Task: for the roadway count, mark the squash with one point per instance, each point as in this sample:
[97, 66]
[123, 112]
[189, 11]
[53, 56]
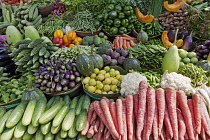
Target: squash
[143, 18]
[142, 36]
[205, 65]
[131, 63]
[167, 43]
[173, 7]
[32, 92]
[84, 64]
[97, 60]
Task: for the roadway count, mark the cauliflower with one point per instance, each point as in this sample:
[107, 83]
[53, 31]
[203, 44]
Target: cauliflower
[177, 81]
[130, 83]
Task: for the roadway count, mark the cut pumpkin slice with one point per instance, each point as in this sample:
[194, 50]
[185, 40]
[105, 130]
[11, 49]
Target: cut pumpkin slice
[173, 7]
[143, 18]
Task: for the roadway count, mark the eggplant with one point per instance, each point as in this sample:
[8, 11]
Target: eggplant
[72, 77]
[53, 85]
[205, 56]
[204, 51]
[62, 75]
[62, 71]
[9, 67]
[76, 73]
[2, 50]
[49, 84]
[71, 72]
[47, 90]
[199, 47]
[57, 66]
[58, 87]
[171, 35]
[49, 68]
[74, 68]
[207, 42]
[44, 72]
[68, 66]
[37, 85]
[198, 54]
[56, 78]
[43, 88]
[41, 68]
[78, 79]
[4, 63]
[184, 34]
[52, 90]
[70, 61]
[67, 75]
[47, 76]
[45, 82]
[52, 73]
[188, 44]
[49, 63]
[57, 71]
[204, 47]
[63, 67]
[39, 81]
[72, 84]
[64, 82]
[41, 76]
[65, 88]
[45, 65]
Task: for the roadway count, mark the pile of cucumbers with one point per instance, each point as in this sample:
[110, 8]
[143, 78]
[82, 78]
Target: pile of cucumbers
[59, 118]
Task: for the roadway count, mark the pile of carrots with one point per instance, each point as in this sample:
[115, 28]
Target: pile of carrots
[13, 2]
[161, 114]
[124, 41]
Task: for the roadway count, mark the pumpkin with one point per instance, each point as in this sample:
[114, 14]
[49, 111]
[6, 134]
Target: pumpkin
[205, 65]
[167, 43]
[143, 18]
[84, 64]
[97, 60]
[131, 63]
[173, 7]
[32, 92]
[142, 36]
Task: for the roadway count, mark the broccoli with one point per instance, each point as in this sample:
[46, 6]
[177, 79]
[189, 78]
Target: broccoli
[103, 47]
[87, 40]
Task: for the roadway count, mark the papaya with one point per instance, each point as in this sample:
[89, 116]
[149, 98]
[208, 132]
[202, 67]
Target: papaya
[31, 32]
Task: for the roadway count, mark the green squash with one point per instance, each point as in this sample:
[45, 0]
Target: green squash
[97, 60]
[32, 92]
[205, 65]
[142, 36]
[131, 63]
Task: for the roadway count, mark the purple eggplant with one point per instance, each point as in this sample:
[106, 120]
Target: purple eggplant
[52, 73]
[207, 42]
[71, 72]
[64, 82]
[57, 71]
[43, 88]
[109, 52]
[45, 65]
[183, 34]
[63, 67]
[76, 73]
[47, 90]
[188, 44]
[65, 88]
[56, 78]
[41, 69]
[58, 65]
[49, 84]
[72, 77]
[47, 76]
[39, 81]
[205, 56]
[199, 47]
[41, 76]
[78, 79]
[53, 85]
[68, 66]
[62, 75]
[58, 87]
[44, 72]
[204, 47]
[171, 35]
[37, 74]
[67, 75]
[49, 68]
[4, 57]
[70, 61]
[204, 51]
[45, 82]
[72, 84]
[49, 63]
[74, 68]
[37, 85]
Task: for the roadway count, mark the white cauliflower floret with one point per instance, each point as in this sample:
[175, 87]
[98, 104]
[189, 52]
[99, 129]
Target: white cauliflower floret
[130, 83]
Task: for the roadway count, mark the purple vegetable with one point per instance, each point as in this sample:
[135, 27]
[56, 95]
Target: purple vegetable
[184, 34]
[205, 56]
[45, 82]
[56, 78]
[53, 85]
[37, 85]
[188, 44]
[49, 63]
[49, 84]
[74, 68]
[107, 59]
[70, 61]
[48, 68]
[109, 52]
[58, 87]
[72, 84]
[52, 73]
[119, 50]
[125, 53]
[58, 65]
[207, 42]
[65, 88]
[57, 71]
[121, 60]
[47, 76]
[204, 51]
[171, 35]
[71, 72]
[62, 75]
[67, 75]
[78, 79]
[39, 81]
[113, 62]
[42, 69]
[68, 66]
[72, 78]
[204, 47]
[64, 82]
[47, 90]
[44, 72]
[115, 55]
[76, 73]
[41, 76]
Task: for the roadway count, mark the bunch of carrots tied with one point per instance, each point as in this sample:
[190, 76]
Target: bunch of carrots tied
[161, 114]
[124, 41]
[13, 2]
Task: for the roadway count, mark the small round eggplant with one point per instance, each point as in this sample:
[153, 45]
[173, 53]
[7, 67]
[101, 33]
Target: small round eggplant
[72, 84]
[56, 78]
[68, 66]
[44, 72]
[47, 76]
[64, 82]
[74, 68]
[171, 35]
[49, 84]
[65, 88]
[207, 42]
[76, 73]
[58, 87]
[37, 85]
[188, 44]
[72, 77]
[204, 51]
[70, 61]
[78, 79]
[67, 75]
[47, 90]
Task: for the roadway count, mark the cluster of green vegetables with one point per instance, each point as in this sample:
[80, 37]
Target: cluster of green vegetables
[153, 78]
[83, 22]
[51, 25]
[154, 42]
[150, 56]
[95, 40]
[12, 89]
[72, 53]
[42, 3]
[72, 5]
[197, 74]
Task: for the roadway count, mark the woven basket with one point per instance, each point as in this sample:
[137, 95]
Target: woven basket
[46, 10]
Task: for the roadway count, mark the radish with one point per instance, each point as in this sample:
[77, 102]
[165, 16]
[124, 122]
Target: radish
[100, 130]
[155, 125]
[125, 136]
[119, 108]
[168, 123]
[196, 100]
[129, 115]
[181, 124]
[114, 114]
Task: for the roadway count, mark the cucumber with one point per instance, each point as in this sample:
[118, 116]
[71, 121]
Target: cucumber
[60, 115]
[31, 129]
[49, 114]
[16, 115]
[74, 102]
[49, 103]
[39, 110]
[27, 136]
[81, 120]
[27, 116]
[72, 133]
[19, 130]
[81, 137]
[56, 100]
[2, 111]
[67, 99]
[7, 134]
[58, 137]
[49, 136]
[16, 138]
[63, 134]
[86, 103]
[3, 120]
[79, 104]
[68, 120]
[39, 135]
[55, 130]
[45, 128]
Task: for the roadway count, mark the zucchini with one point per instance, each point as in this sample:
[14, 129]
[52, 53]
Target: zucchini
[81, 137]
[67, 99]
[39, 110]
[49, 103]
[31, 129]
[49, 136]
[55, 130]
[2, 111]
[58, 137]
[60, 115]
[49, 114]
[20, 129]
[16, 115]
[79, 104]
[74, 102]
[27, 136]
[7, 134]
[68, 120]
[39, 135]
[45, 128]
[72, 133]
[63, 134]
[27, 116]
[86, 102]
[81, 120]
[4, 119]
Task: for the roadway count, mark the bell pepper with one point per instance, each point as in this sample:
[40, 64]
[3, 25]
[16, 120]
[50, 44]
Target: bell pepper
[125, 22]
[58, 33]
[66, 40]
[71, 45]
[128, 10]
[109, 22]
[78, 40]
[118, 8]
[110, 7]
[106, 16]
[130, 27]
[57, 40]
[121, 15]
[113, 30]
[72, 35]
[106, 28]
[131, 18]
[97, 23]
[122, 30]
[100, 17]
[112, 1]
[125, 2]
[112, 14]
[117, 22]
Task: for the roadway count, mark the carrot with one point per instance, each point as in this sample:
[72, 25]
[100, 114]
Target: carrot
[167, 122]
[160, 97]
[129, 115]
[113, 112]
[124, 45]
[181, 124]
[90, 132]
[132, 43]
[142, 108]
[128, 38]
[204, 118]
[124, 137]
[155, 124]
[99, 111]
[113, 46]
[182, 100]
[196, 100]
[96, 125]
[163, 132]
[145, 126]
[100, 130]
[135, 105]
[120, 42]
[203, 136]
[128, 44]
[119, 108]
[125, 35]
[109, 119]
[117, 41]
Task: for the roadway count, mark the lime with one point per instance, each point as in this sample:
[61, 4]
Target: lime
[100, 77]
[99, 86]
[102, 72]
[107, 88]
[108, 81]
[186, 60]
[93, 75]
[91, 89]
[96, 70]
[194, 60]
[107, 68]
[92, 82]
[86, 80]
[191, 54]
[181, 50]
[98, 91]
[181, 64]
[183, 54]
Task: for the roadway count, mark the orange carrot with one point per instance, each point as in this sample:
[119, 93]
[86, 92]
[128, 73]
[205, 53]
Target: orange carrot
[181, 124]
[196, 100]
[128, 38]
[125, 35]
[129, 115]
[182, 100]
[119, 108]
[113, 112]
[120, 42]
[132, 43]
[117, 41]
[171, 104]
[128, 44]
[124, 45]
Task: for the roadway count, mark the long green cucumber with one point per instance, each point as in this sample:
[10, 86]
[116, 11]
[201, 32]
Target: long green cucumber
[27, 136]
[31, 129]
[7, 134]
[56, 100]
[49, 103]
[72, 133]
[81, 137]
[68, 120]
[86, 103]
[60, 115]
[49, 136]
[63, 134]
[3, 120]
[39, 110]
[39, 135]
[16, 115]
[55, 130]
[79, 104]
[81, 120]
[27, 116]
[67, 99]
[74, 102]
[2, 111]
[19, 130]
[45, 128]
[58, 137]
